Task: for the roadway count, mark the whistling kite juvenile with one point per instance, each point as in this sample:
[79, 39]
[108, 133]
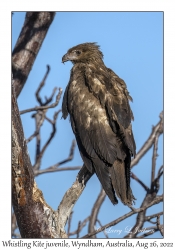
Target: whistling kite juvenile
[98, 103]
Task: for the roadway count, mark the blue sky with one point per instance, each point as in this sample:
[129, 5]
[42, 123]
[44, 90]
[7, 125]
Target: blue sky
[132, 44]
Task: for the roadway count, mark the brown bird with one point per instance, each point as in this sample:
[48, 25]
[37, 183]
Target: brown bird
[98, 103]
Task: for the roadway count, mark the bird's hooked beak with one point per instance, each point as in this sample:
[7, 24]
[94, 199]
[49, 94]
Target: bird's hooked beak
[65, 58]
[70, 56]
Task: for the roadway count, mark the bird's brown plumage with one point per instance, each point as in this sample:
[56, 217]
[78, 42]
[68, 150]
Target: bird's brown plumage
[98, 103]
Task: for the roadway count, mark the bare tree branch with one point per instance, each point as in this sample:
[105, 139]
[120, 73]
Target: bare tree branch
[149, 217]
[133, 176]
[151, 193]
[149, 142]
[151, 230]
[154, 157]
[80, 227]
[53, 105]
[55, 168]
[157, 200]
[45, 171]
[160, 227]
[71, 154]
[27, 47]
[48, 100]
[101, 226]
[95, 211]
[32, 136]
[66, 205]
[40, 154]
[149, 197]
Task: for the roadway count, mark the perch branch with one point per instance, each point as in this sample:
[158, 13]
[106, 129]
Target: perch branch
[66, 205]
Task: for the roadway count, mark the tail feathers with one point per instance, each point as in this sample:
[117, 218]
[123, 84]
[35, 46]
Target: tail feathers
[103, 175]
[119, 177]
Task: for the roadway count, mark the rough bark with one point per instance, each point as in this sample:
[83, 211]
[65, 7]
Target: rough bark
[34, 216]
[27, 47]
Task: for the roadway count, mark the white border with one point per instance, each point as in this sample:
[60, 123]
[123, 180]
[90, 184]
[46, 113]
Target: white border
[169, 90]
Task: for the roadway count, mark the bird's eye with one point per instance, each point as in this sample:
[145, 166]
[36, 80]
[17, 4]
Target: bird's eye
[77, 52]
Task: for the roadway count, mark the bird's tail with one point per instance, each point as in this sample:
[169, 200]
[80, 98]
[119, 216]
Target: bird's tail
[120, 176]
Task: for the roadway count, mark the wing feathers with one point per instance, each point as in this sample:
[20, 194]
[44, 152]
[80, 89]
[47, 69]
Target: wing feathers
[104, 143]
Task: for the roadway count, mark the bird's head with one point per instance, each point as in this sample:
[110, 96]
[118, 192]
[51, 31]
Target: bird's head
[84, 53]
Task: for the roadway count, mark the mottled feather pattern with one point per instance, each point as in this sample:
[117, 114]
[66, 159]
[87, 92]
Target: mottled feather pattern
[98, 103]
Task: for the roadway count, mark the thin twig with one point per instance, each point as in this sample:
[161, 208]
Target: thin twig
[45, 171]
[133, 176]
[83, 224]
[41, 86]
[40, 155]
[149, 217]
[39, 119]
[95, 211]
[160, 169]
[156, 184]
[71, 154]
[55, 167]
[160, 227]
[149, 142]
[53, 105]
[101, 226]
[32, 136]
[154, 157]
[78, 229]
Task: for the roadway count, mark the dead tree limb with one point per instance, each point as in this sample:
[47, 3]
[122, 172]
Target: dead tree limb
[27, 47]
[149, 142]
[35, 218]
[66, 205]
[95, 211]
[80, 227]
[115, 222]
[53, 105]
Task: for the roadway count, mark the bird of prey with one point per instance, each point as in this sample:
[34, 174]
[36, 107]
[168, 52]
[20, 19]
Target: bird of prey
[97, 101]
